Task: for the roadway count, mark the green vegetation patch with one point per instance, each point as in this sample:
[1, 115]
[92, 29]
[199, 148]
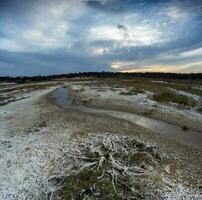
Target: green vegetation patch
[141, 158]
[127, 93]
[200, 109]
[141, 85]
[112, 168]
[80, 184]
[87, 183]
[170, 96]
[185, 128]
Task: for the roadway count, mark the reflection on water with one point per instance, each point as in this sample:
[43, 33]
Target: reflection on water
[176, 132]
[188, 137]
[61, 96]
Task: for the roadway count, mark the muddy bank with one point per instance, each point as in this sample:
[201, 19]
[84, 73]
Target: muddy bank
[35, 130]
[186, 159]
[93, 99]
[62, 98]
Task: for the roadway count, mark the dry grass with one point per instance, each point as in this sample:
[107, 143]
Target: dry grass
[170, 96]
[43, 124]
[79, 135]
[141, 85]
[162, 91]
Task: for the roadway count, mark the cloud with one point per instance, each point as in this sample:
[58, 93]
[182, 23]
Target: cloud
[182, 11]
[176, 13]
[180, 68]
[136, 35]
[37, 39]
[194, 67]
[106, 5]
[192, 53]
[51, 36]
[153, 68]
[47, 30]
[168, 61]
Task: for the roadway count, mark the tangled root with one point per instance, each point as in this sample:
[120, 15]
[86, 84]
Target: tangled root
[107, 166]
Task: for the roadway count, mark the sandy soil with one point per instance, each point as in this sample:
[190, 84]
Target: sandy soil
[140, 103]
[33, 130]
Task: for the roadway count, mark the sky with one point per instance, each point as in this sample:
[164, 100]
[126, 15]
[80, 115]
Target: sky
[44, 37]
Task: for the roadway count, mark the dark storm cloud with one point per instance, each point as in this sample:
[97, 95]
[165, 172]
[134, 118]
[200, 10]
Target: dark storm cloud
[120, 26]
[54, 63]
[51, 37]
[105, 6]
[120, 5]
[15, 8]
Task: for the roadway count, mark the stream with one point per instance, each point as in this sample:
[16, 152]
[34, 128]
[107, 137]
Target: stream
[194, 138]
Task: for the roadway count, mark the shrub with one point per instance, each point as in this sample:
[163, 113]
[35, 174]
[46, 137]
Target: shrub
[170, 96]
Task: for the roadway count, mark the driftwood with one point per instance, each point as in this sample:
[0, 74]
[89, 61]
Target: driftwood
[98, 166]
[106, 166]
[113, 159]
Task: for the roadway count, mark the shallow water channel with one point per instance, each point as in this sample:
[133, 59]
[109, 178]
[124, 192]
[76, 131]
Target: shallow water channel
[61, 97]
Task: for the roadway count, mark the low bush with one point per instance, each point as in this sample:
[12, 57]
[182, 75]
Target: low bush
[170, 96]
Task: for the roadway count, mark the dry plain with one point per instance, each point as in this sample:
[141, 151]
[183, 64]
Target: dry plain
[101, 139]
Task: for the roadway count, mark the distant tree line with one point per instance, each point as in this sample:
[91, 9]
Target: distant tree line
[26, 79]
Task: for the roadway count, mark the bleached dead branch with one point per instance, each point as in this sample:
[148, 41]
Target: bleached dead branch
[117, 165]
[121, 161]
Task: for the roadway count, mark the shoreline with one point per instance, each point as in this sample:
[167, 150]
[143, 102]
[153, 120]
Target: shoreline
[122, 105]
